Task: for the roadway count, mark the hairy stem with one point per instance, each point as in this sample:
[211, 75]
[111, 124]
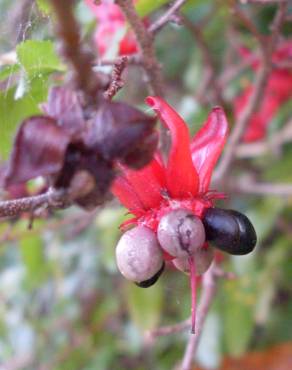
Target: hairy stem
[50, 199]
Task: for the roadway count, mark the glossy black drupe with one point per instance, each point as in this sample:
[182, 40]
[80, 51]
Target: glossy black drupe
[229, 230]
[151, 281]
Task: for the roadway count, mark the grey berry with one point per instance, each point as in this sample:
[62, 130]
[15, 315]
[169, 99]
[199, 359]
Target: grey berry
[138, 254]
[181, 233]
[203, 258]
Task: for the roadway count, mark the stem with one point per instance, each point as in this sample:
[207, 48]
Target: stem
[166, 17]
[50, 199]
[209, 288]
[249, 186]
[145, 41]
[193, 282]
[80, 61]
[116, 78]
[149, 60]
[169, 329]
[208, 60]
[254, 100]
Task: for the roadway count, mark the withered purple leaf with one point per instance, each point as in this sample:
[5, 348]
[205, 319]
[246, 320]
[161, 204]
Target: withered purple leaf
[72, 139]
[39, 149]
[141, 152]
[118, 128]
[100, 175]
[64, 105]
[103, 175]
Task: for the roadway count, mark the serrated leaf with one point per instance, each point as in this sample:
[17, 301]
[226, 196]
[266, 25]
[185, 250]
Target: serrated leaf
[38, 57]
[145, 305]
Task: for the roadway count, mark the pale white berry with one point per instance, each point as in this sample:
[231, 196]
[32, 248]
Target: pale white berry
[138, 254]
[181, 233]
[203, 258]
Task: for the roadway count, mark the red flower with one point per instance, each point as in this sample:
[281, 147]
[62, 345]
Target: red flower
[183, 182]
[277, 92]
[112, 29]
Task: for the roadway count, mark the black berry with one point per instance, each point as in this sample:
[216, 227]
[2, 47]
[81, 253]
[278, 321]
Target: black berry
[148, 283]
[230, 231]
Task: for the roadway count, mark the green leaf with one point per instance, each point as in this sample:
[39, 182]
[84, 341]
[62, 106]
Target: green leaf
[145, 7]
[279, 169]
[38, 57]
[13, 111]
[265, 214]
[44, 6]
[31, 248]
[8, 70]
[145, 305]
[238, 300]
[271, 277]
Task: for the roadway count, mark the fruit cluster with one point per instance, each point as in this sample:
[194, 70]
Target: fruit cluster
[174, 213]
[182, 235]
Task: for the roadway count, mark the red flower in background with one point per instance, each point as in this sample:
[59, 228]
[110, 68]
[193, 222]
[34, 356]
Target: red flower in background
[179, 188]
[112, 29]
[277, 92]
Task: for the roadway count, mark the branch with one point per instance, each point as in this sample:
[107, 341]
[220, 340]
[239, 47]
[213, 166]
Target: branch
[168, 330]
[209, 288]
[51, 199]
[273, 145]
[166, 17]
[209, 63]
[239, 14]
[116, 78]
[217, 272]
[262, 2]
[150, 63]
[134, 59]
[80, 61]
[19, 18]
[145, 42]
[246, 185]
[254, 100]
[234, 70]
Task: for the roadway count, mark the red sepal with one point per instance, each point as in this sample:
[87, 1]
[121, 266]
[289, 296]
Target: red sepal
[181, 176]
[146, 185]
[208, 144]
[127, 195]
